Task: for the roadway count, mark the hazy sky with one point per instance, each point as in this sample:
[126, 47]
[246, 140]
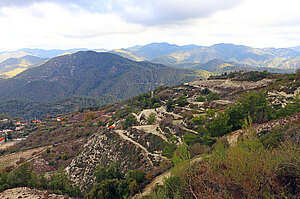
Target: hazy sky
[122, 23]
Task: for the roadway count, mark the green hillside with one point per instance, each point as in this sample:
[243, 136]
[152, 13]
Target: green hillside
[89, 74]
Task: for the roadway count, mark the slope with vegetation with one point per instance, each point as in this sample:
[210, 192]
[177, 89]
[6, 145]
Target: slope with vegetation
[13, 66]
[232, 136]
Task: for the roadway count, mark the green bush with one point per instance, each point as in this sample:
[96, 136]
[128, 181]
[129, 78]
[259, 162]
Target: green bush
[212, 96]
[130, 121]
[191, 139]
[219, 125]
[151, 119]
[200, 99]
[64, 156]
[170, 105]
[182, 100]
[111, 182]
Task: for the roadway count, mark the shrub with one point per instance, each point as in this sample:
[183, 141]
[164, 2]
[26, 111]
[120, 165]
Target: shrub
[200, 99]
[191, 139]
[130, 121]
[170, 105]
[151, 118]
[219, 125]
[246, 170]
[182, 100]
[64, 156]
[212, 96]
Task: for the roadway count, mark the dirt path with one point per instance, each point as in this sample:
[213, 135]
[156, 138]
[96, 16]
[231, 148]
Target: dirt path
[122, 135]
[179, 123]
[157, 181]
[152, 129]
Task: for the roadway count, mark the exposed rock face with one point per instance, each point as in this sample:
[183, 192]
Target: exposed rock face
[104, 148]
[230, 86]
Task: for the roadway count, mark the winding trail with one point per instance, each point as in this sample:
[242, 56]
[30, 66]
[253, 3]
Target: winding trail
[152, 129]
[122, 135]
[157, 181]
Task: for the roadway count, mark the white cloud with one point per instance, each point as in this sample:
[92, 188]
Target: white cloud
[123, 23]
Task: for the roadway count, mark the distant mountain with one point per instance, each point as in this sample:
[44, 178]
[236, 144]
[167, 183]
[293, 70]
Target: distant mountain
[173, 55]
[285, 53]
[36, 52]
[90, 74]
[218, 66]
[228, 52]
[152, 51]
[14, 66]
[296, 48]
[292, 63]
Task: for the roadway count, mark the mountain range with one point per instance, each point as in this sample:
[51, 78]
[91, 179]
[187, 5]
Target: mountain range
[172, 55]
[185, 56]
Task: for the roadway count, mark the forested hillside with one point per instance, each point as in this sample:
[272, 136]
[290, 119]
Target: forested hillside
[86, 74]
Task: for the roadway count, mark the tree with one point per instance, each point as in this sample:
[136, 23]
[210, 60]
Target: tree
[236, 116]
[23, 176]
[181, 154]
[136, 175]
[169, 105]
[112, 172]
[182, 100]
[256, 105]
[219, 125]
[130, 121]
[107, 189]
[151, 118]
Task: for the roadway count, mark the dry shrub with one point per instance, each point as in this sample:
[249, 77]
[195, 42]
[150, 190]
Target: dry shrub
[198, 149]
[247, 170]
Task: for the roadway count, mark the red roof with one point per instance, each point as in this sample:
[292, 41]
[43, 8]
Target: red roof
[2, 139]
[111, 127]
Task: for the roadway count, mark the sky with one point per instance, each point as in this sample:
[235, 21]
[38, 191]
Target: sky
[112, 24]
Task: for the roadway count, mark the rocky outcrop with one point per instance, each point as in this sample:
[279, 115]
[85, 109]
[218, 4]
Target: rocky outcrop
[102, 149]
[230, 86]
